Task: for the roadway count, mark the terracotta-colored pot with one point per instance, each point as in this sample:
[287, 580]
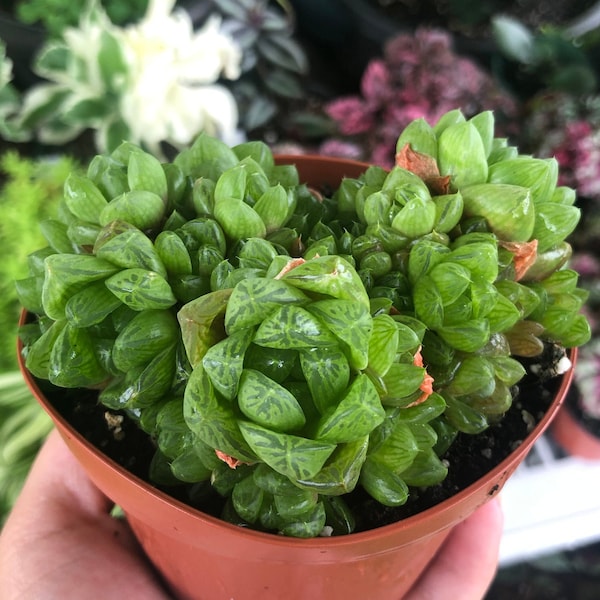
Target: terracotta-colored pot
[204, 558]
[573, 437]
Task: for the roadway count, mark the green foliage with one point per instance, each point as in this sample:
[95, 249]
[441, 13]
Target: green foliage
[31, 190]
[274, 62]
[56, 15]
[313, 344]
[23, 427]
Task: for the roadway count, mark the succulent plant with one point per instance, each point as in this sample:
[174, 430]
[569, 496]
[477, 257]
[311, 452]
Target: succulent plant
[283, 345]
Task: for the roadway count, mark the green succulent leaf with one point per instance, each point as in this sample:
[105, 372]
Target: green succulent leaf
[153, 381]
[253, 300]
[212, 419]
[327, 374]
[56, 234]
[293, 456]
[83, 198]
[201, 323]
[172, 253]
[475, 374]
[383, 344]
[267, 403]
[141, 289]
[329, 275]
[429, 304]
[66, 274]
[308, 524]
[424, 255]
[467, 337]
[508, 209]
[130, 249]
[416, 218]
[340, 473]
[275, 207]
[386, 486]
[293, 327]
[140, 208]
[464, 417]
[207, 157]
[448, 211]
[479, 258]
[504, 315]
[451, 279]
[421, 137]
[247, 499]
[427, 470]
[91, 305]
[462, 155]
[224, 362]
[350, 323]
[73, 361]
[400, 383]
[145, 173]
[145, 335]
[357, 414]
[37, 359]
[553, 223]
[539, 175]
[186, 467]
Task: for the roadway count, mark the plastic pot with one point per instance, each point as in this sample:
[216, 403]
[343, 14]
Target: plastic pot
[204, 558]
[571, 435]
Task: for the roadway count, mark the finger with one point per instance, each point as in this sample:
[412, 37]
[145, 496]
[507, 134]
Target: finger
[58, 478]
[466, 563]
[60, 541]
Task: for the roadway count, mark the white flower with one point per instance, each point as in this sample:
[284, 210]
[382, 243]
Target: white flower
[171, 94]
[5, 68]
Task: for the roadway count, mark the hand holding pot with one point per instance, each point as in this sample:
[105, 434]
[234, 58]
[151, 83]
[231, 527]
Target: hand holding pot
[61, 542]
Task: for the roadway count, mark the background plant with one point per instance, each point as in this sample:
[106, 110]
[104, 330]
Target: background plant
[274, 63]
[282, 347]
[102, 77]
[31, 189]
[56, 15]
[419, 75]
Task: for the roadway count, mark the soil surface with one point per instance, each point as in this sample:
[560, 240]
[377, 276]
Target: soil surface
[121, 440]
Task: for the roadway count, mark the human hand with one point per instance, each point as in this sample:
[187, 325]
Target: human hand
[60, 542]
[466, 564]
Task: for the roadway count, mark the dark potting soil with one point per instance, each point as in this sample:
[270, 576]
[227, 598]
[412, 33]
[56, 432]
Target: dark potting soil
[469, 457]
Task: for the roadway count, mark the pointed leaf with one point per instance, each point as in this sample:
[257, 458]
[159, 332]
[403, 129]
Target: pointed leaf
[252, 300]
[141, 289]
[83, 198]
[212, 419]
[224, 362]
[340, 473]
[73, 361]
[201, 323]
[144, 336]
[293, 327]
[330, 275]
[357, 414]
[131, 249]
[292, 456]
[351, 323]
[327, 374]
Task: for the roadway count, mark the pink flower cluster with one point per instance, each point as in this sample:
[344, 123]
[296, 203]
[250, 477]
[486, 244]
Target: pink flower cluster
[578, 153]
[418, 76]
